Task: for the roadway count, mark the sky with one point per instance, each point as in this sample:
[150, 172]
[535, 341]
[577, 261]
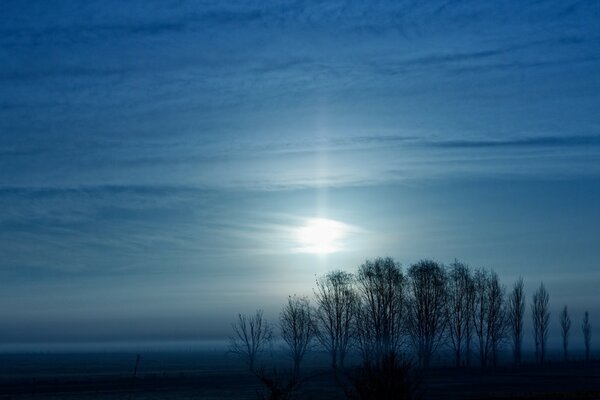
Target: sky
[165, 165]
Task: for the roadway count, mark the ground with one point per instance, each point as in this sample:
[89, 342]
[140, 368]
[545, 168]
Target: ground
[183, 376]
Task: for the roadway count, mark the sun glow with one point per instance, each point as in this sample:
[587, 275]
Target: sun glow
[321, 236]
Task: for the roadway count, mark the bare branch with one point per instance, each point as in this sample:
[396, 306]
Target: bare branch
[459, 286]
[336, 306]
[380, 321]
[516, 313]
[586, 328]
[251, 335]
[427, 307]
[565, 328]
[489, 316]
[541, 322]
[297, 329]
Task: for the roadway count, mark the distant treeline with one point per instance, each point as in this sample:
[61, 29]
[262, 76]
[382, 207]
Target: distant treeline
[385, 313]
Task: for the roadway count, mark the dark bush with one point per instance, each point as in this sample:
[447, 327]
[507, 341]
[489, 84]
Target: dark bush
[390, 378]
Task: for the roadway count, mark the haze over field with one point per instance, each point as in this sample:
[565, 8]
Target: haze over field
[166, 165]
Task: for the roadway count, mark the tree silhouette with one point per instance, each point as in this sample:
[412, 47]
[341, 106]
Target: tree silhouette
[586, 328]
[459, 284]
[297, 329]
[251, 334]
[427, 308]
[336, 308]
[565, 328]
[541, 321]
[516, 312]
[469, 295]
[379, 310]
[489, 316]
[380, 316]
[480, 315]
[497, 316]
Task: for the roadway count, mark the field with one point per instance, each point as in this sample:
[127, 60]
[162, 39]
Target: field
[214, 375]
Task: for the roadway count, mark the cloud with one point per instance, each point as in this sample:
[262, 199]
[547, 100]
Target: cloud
[248, 96]
[525, 142]
[157, 159]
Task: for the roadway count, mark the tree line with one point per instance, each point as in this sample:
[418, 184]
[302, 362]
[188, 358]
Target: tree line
[386, 313]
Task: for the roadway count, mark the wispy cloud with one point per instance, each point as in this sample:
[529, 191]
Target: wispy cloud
[524, 142]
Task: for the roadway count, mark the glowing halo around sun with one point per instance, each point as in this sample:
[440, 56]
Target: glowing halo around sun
[321, 236]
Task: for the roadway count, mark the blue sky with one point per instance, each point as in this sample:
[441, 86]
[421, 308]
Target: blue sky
[157, 158]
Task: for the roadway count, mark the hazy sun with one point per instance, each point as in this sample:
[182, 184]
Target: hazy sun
[321, 236]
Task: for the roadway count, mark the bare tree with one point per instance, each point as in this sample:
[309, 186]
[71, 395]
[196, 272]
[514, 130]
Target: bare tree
[336, 302]
[470, 328]
[427, 307]
[297, 329]
[490, 320]
[497, 316]
[480, 315]
[459, 284]
[565, 328]
[516, 312]
[380, 321]
[541, 321]
[587, 334]
[251, 334]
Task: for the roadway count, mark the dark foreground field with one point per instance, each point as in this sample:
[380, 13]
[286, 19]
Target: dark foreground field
[215, 376]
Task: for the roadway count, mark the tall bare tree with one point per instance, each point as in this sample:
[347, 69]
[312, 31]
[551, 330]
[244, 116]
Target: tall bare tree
[516, 313]
[252, 333]
[490, 320]
[427, 307]
[297, 329]
[565, 328]
[459, 284]
[380, 322]
[497, 316]
[336, 302]
[480, 315]
[541, 321]
[470, 328]
[586, 328]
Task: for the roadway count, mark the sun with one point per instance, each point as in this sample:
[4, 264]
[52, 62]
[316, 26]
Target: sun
[321, 236]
